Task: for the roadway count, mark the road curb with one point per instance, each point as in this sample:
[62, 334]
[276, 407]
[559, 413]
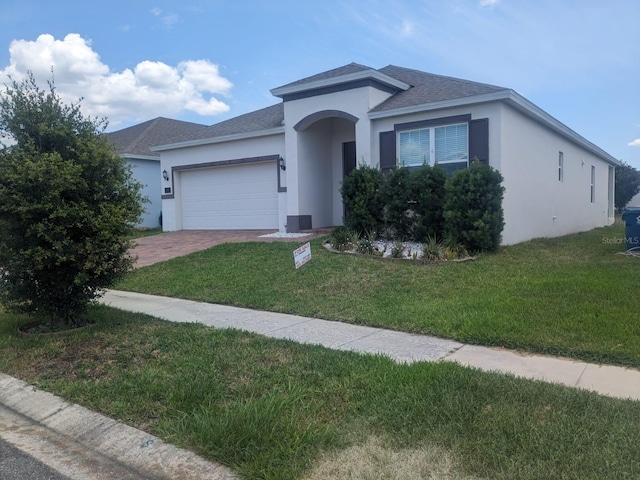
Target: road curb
[145, 454]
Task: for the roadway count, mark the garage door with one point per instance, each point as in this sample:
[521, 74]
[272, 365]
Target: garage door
[230, 198]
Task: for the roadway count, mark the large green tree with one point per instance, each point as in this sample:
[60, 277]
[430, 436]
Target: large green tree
[68, 203]
[627, 185]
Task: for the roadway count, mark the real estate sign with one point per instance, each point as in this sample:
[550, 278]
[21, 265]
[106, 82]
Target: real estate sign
[302, 255]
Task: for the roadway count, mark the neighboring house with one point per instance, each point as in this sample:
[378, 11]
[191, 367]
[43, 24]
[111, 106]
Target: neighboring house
[635, 201]
[133, 144]
[281, 167]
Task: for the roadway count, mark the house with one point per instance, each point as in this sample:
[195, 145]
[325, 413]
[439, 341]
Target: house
[133, 144]
[281, 167]
[635, 201]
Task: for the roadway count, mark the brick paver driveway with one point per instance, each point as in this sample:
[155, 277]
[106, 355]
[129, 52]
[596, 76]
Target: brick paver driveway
[158, 248]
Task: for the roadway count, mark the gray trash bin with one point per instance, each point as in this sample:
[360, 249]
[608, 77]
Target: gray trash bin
[631, 218]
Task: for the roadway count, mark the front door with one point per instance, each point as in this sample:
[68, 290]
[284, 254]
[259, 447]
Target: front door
[348, 162]
[348, 158]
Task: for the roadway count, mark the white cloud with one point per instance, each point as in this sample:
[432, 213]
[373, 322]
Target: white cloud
[149, 90]
[634, 143]
[488, 3]
[204, 74]
[168, 20]
[407, 29]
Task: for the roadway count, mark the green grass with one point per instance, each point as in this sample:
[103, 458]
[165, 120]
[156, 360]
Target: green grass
[571, 296]
[145, 232]
[274, 409]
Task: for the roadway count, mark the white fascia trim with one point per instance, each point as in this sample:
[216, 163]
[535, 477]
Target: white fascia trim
[425, 107]
[512, 98]
[133, 156]
[222, 139]
[351, 77]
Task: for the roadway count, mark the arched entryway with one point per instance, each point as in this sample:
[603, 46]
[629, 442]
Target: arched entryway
[326, 150]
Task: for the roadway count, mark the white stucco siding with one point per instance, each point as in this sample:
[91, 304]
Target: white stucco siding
[202, 157]
[536, 202]
[217, 152]
[147, 172]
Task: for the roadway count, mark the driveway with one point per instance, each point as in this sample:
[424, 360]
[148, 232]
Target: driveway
[158, 248]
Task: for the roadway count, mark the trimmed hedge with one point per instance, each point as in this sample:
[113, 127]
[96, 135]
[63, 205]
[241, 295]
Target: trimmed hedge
[398, 200]
[422, 203]
[428, 193]
[473, 208]
[362, 198]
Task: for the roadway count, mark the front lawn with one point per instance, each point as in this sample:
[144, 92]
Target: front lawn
[274, 409]
[571, 296]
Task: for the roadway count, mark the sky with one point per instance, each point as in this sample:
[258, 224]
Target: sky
[205, 61]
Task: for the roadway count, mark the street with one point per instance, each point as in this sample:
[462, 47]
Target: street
[16, 465]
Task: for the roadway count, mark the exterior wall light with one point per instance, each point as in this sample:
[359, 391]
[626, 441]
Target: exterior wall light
[282, 164]
[165, 175]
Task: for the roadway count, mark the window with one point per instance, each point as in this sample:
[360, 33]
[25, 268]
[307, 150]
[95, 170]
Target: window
[560, 166]
[593, 184]
[415, 147]
[447, 145]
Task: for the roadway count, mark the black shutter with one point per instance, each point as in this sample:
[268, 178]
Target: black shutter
[387, 151]
[479, 140]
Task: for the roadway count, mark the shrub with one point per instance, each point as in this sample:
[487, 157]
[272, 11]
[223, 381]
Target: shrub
[366, 246]
[67, 206]
[362, 198]
[427, 188]
[398, 204]
[341, 238]
[365, 243]
[473, 208]
[397, 250]
[454, 251]
[432, 249]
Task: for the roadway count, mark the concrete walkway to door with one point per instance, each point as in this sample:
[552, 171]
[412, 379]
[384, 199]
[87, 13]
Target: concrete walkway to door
[165, 246]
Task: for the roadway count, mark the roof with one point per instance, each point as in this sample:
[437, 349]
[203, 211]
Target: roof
[263, 119]
[137, 139]
[412, 87]
[411, 91]
[329, 74]
[267, 120]
[430, 88]
[349, 76]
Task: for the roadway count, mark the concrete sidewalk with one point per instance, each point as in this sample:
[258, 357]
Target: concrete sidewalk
[614, 381]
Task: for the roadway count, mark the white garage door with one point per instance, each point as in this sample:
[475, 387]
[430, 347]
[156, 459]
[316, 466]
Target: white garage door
[230, 198]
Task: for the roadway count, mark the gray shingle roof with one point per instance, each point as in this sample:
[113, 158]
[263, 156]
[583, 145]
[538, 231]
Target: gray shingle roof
[336, 72]
[429, 88]
[137, 139]
[425, 88]
[263, 119]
